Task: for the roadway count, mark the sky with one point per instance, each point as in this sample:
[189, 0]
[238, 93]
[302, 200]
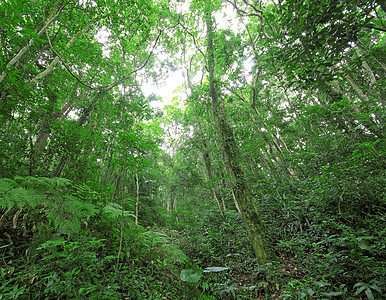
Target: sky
[165, 88]
[226, 18]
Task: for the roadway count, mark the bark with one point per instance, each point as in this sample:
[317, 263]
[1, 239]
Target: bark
[45, 131]
[366, 67]
[357, 89]
[215, 188]
[355, 109]
[117, 186]
[233, 160]
[107, 169]
[60, 167]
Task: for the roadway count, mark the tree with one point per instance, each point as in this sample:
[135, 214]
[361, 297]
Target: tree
[232, 156]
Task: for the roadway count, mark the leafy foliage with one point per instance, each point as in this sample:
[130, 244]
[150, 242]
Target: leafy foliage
[51, 196]
[104, 196]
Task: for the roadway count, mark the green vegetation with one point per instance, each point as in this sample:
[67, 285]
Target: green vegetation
[262, 177]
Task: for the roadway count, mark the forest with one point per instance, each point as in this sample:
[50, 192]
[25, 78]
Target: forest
[192, 149]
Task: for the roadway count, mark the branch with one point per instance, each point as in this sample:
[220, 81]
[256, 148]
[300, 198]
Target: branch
[67, 68]
[380, 19]
[241, 12]
[195, 44]
[254, 7]
[138, 69]
[31, 41]
[240, 96]
[376, 28]
[50, 68]
[368, 52]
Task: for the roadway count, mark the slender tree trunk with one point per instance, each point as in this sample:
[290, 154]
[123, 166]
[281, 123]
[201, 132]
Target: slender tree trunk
[233, 159]
[107, 169]
[209, 169]
[137, 202]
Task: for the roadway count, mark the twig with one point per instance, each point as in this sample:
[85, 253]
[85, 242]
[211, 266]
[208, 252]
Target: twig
[138, 69]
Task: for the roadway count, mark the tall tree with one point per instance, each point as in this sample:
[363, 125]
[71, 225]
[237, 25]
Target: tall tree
[232, 155]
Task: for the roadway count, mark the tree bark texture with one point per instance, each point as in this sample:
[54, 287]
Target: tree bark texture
[233, 159]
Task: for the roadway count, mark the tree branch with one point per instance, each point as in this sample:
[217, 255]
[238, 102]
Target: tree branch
[31, 41]
[109, 87]
[195, 44]
[67, 68]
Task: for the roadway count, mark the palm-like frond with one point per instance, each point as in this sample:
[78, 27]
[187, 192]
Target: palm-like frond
[12, 194]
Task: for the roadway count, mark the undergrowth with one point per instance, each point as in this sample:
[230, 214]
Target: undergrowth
[63, 241]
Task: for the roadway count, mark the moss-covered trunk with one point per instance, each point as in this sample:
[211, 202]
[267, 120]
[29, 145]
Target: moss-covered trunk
[233, 159]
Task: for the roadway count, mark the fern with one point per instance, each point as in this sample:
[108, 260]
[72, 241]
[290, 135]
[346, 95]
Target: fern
[114, 210]
[12, 194]
[67, 212]
[63, 210]
[174, 253]
[158, 240]
[83, 191]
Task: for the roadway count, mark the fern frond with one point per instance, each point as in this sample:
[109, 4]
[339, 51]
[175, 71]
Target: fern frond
[6, 185]
[114, 210]
[66, 213]
[64, 210]
[130, 202]
[11, 194]
[163, 242]
[173, 253]
[23, 197]
[85, 192]
[57, 182]
[78, 208]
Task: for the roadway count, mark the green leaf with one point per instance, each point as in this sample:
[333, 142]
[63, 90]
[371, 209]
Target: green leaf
[359, 290]
[215, 269]
[369, 294]
[363, 246]
[321, 283]
[189, 275]
[332, 294]
[377, 288]
[310, 291]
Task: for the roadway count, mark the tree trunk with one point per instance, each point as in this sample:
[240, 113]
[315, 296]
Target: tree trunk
[137, 202]
[209, 169]
[233, 160]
